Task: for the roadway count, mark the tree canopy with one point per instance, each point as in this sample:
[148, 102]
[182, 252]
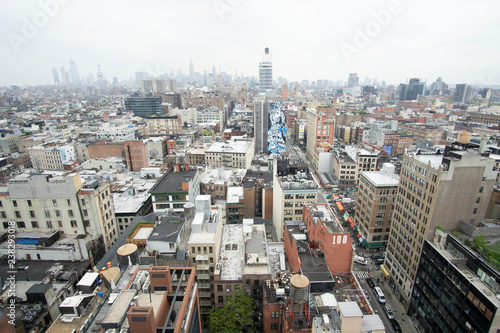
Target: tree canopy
[236, 315]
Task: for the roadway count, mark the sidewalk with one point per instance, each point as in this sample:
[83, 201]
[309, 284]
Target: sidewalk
[396, 307]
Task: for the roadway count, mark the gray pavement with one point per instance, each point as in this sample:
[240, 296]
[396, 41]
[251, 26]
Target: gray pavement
[396, 307]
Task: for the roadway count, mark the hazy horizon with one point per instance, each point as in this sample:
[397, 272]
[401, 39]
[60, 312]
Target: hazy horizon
[389, 40]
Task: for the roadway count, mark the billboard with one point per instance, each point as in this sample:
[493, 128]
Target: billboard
[387, 149]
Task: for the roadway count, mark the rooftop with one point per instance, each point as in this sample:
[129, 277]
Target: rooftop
[234, 195]
[232, 146]
[172, 181]
[232, 252]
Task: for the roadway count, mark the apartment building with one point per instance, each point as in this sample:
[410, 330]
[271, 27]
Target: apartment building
[204, 246]
[175, 188]
[423, 132]
[435, 189]
[162, 125]
[320, 128]
[235, 153]
[375, 204]
[59, 200]
[51, 155]
[290, 193]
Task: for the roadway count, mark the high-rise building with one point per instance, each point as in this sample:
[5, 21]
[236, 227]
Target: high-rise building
[139, 76]
[64, 76]
[435, 190]
[191, 71]
[376, 197]
[320, 128]
[147, 86]
[159, 85]
[74, 77]
[455, 290]
[411, 91]
[56, 76]
[266, 72]
[144, 105]
[353, 80]
[463, 93]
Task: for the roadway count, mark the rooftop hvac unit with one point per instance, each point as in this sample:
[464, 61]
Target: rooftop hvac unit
[111, 330]
[145, 287]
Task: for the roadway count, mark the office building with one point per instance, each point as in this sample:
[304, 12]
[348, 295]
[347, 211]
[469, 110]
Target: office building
[463, 93]
[55, 76]
[266, 72]
[411, 90]
[235, 153]
[51, 156]
[147, 86]
[161, 125]
[455, 289]
[144, 105]
[353, 80]
[436, 189]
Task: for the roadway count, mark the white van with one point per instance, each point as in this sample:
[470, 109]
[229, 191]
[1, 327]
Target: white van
[360, 260]
[379, 294]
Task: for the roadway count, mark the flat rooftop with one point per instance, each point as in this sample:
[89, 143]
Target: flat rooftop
[322, 213]
[232, 252]
[231, 146]
[433, 159]
[172, 181]
[378, 178]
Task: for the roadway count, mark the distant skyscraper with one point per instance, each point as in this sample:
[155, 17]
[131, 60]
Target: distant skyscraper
[411, 91]
[463, 93]
[139, 76]
[147, 86]
[191, 71]
[353, 80]
[74, 77]
[115, 81]
[159, 85]
[266, 72]
[64, 76]
[56, 76]
[90, 80]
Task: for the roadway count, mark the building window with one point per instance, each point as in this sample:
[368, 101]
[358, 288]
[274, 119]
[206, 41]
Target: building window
[275, 326]
[74, 224]
[30, 204]
[34, 224]
[3, 215]
[54, 202]
[70, 213]
[32, 213]
[49, 224]
[275, 314]
[59, 223]
[474, 211]
[17, 213]
[68, 202]
[14, 203]
[21, 224]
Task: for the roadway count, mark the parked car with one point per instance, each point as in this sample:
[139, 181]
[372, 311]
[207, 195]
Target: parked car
[395, 326]
[370, 282]
[379, 261]
[389, 312]
[378, 256]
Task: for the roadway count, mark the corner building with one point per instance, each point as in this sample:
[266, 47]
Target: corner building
[435, 190]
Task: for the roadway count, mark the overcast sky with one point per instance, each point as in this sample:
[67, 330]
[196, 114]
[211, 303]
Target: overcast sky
[309, 40]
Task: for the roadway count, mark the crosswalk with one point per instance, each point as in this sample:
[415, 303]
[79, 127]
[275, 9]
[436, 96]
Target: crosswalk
[361, 274]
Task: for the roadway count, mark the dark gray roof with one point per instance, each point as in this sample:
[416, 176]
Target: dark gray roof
[168, 229]
[172, 181]
[39, 288]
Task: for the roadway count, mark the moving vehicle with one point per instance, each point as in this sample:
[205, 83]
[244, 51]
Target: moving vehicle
[379, 261]
[388, 312]
[370, 282]
[395, 326]
[378, 256]
[379, 294]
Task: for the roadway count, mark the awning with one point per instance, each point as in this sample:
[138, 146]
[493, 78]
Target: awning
[358, 235]
[384, 271]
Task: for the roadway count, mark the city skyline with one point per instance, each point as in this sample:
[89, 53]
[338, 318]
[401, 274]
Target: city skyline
[391, 40]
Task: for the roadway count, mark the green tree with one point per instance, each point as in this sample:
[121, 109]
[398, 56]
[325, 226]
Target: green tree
[236, 315]
[205, 132]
